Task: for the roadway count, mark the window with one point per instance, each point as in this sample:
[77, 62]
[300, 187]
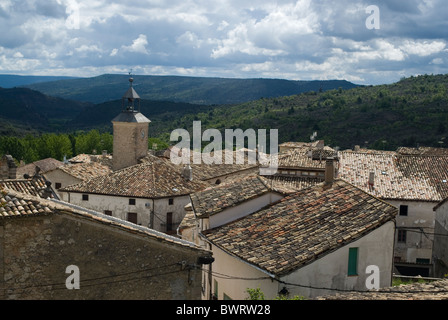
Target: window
[132, 202]
[85, 197]
[132, 217]
[401, 235]
[226, 297]
[170, 201]
[352, 262]
[403, 210]
[108, 212]
[215, 291]
[58, 185]
[422, 260]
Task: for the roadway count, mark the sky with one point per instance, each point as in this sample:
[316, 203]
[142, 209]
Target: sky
[365, 42]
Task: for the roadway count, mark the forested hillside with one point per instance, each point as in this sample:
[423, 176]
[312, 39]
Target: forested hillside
[411, 112]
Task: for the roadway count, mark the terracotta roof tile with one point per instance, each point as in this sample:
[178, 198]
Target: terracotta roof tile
[434, 290]
[288, 234]
[154, 178]
[405, 177]
[217, 198]
[44, 165]
[17, 205]
[85, 170]
[32, 186]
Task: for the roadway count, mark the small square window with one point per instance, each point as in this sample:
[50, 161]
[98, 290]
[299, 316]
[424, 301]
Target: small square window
[170, 201]
[108, 212]
[58, 185]
[403, 210]
[85, 197]
[132, 202]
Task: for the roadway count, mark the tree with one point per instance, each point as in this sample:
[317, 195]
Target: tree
[257, 294]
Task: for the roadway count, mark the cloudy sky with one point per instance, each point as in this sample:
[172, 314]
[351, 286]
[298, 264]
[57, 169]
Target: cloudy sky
[298, 40]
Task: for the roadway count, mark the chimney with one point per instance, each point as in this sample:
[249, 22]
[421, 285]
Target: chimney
[187, 172]
[329, 171]
[371, 179]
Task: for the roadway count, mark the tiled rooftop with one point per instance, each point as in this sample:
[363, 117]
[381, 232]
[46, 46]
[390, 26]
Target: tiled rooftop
[85, 170]
[32, 186]
[155, 178]
[17, 205]
[288, 185]
[105, 159]
[205, 171]
[403, 177]
[436, 290]
[288, 234]
[305, 157]
[217, 198]
[44, 166]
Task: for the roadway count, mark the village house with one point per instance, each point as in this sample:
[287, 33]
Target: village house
[306, 160]
[151, 193]
[53, 250]
[74, 173]
[415, 184]
[42, 166]
[323, 237]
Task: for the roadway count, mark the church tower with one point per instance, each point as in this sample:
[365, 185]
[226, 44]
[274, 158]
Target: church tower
[130, 132]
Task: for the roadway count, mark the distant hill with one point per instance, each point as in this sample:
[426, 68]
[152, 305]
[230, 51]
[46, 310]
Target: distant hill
[163, 115]
[26, 110]
[11, 81]
[411, 112]
[407, 113]
[195, 90]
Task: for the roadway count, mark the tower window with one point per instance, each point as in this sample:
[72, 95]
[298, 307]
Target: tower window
[170, 201]
[85, 197]
[132, 202]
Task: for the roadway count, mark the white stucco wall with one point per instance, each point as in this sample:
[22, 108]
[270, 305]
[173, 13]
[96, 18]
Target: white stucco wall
[120, 208]
[376, 248]
[417, 245]
[243, 209]
[59, 176]
[330, 271]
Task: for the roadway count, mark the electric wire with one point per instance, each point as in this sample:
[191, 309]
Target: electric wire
[229, 277]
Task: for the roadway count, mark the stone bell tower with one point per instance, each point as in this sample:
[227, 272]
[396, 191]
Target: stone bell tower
[130, 132]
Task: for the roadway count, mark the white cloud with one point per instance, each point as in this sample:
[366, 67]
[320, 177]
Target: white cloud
[138, 45]
[283, 39]
[423, 48]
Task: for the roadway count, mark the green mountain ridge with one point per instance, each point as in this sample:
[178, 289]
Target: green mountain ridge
[411, 112]
[194, 90]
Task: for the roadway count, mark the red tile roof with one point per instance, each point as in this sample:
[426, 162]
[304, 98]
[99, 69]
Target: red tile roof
[302, 227]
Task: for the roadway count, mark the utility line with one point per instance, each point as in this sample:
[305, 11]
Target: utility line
[229, 277]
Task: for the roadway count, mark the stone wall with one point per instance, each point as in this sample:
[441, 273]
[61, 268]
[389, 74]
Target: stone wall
[113, 263]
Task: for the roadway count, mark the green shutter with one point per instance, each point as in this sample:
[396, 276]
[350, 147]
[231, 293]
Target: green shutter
[353, 261]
